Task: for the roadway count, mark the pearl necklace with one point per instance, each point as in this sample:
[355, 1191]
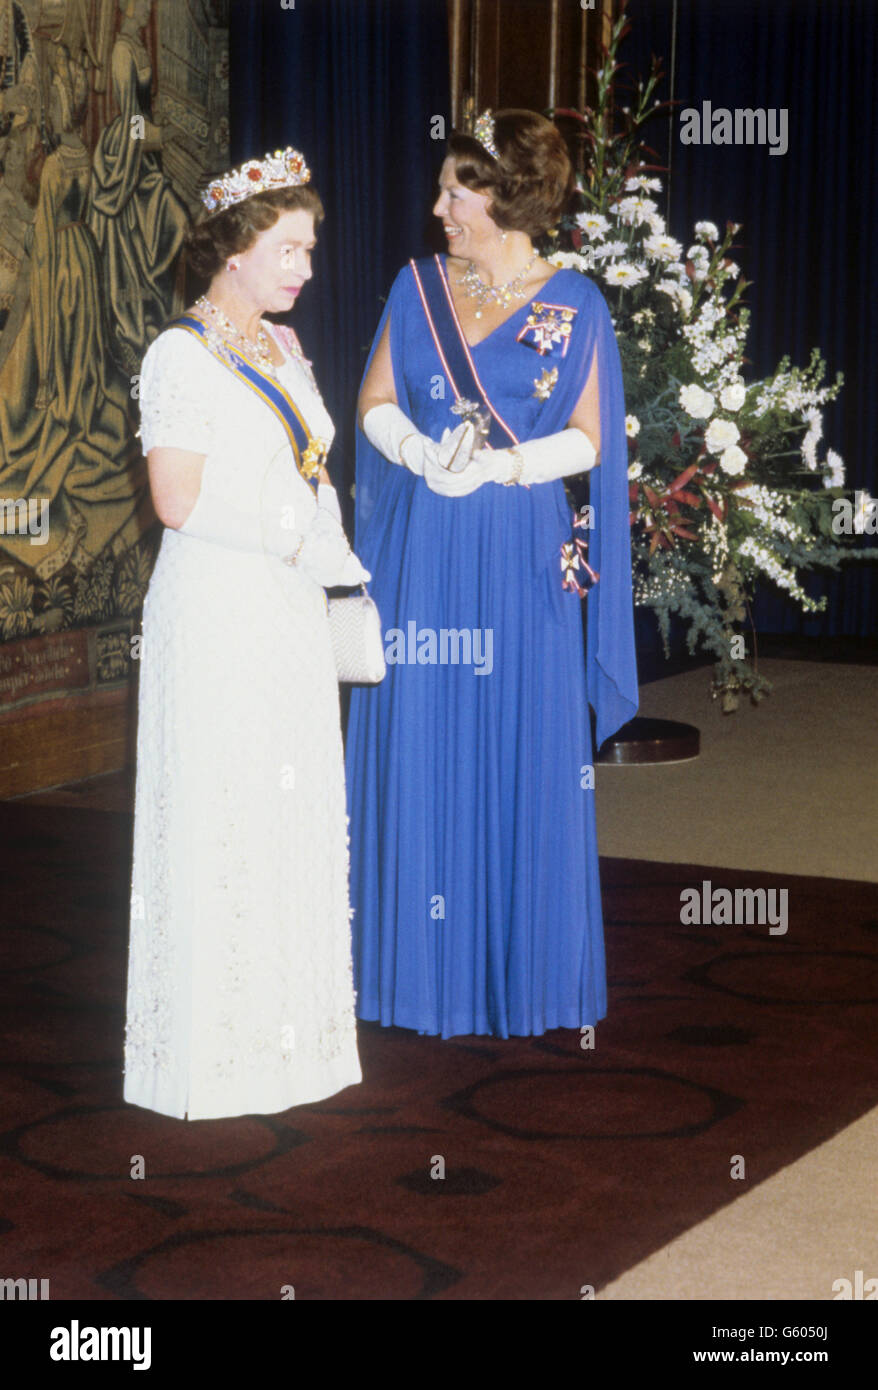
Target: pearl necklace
[475, 288]
[260, 350]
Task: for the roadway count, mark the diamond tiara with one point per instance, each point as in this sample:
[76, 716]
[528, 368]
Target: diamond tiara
[483, 131]
[283, 169]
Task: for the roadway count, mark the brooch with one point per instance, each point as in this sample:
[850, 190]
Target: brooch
[314, 457]
[546, 383]
[546, 326]
[472, 411]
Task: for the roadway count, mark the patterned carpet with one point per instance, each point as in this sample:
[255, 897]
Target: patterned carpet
[564, 1166]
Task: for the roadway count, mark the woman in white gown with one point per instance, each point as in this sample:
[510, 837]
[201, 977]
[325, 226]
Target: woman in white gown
[240, 988]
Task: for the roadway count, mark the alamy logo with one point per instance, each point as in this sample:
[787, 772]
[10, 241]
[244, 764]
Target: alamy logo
[858, 1288]
[721, 907]
[23, 1289]
[75, 1343]
[25, 516]
[742, 126]
[859, 517]
[450, 646]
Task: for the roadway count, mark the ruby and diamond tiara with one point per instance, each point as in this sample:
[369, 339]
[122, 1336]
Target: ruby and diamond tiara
[283, 169]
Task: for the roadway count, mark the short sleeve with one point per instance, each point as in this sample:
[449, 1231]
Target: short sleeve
[176, 410]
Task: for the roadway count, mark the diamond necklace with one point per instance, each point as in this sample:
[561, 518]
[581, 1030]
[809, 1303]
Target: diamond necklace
[260, 350]
[475, 288]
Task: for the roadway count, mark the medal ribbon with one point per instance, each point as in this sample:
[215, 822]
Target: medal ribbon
[309, 453]
[454, 350]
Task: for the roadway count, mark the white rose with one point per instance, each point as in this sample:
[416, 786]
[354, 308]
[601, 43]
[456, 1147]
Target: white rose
[696, 402]
[634, 471]
[733, 397]
[720, 435]
[632, 426]
[733, 460]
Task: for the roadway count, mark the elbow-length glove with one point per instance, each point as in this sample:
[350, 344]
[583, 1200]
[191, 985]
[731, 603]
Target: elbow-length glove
[542, 460]
[315, 543]
[394, 435]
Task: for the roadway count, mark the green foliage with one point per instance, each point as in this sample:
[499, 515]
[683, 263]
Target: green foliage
[726, 487]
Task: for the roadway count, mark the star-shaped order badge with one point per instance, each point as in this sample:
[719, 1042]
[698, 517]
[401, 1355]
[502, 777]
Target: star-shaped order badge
[577, 574]
[548, 326]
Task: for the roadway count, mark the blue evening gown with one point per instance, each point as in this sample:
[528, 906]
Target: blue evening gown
[474, 858]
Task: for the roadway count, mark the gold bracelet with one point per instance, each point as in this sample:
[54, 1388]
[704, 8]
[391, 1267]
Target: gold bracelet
[294, 558]
[517, 470]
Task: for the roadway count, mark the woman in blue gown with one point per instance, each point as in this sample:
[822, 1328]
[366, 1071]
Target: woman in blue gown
[474, 861]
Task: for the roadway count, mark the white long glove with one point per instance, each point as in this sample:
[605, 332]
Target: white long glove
[394, 435]
[317, 544]
[540, 460]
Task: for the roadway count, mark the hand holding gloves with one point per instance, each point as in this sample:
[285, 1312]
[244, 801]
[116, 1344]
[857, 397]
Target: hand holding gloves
[392, 433]
[540, 460]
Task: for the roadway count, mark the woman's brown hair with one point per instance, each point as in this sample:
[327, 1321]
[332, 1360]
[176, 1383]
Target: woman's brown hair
[530, 182]
[211, 242]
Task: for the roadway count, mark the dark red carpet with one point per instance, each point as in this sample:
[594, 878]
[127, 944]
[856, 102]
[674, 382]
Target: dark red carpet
[563, 1167]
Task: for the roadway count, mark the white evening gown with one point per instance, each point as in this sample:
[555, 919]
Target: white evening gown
[240, 983]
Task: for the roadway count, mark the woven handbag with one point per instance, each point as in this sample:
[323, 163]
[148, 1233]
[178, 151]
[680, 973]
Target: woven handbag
[357, 642]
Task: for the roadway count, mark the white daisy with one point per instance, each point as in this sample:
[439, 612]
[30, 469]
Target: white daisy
[835, 464]
[624, 274]
[593, 224]
[632, 426]
[570, 260]
[707, 231]
[634, 210]
[680, 295]
[662, 248]
[609, 249]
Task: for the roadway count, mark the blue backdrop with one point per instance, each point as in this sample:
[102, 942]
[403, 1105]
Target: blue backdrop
[808, 217]
[355, 83]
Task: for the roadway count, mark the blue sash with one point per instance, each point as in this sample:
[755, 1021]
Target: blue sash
[471, 399]
[309, 453]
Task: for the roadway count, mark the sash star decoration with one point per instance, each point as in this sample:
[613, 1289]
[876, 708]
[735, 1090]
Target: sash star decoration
[547, 325]
[283, 169]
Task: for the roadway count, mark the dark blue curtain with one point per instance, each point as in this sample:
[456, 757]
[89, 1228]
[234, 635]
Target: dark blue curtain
[809, 216]
[354, 84]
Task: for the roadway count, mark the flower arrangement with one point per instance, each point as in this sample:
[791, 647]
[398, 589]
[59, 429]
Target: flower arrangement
[726, 486]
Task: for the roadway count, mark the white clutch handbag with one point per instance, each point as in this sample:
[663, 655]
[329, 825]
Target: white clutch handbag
[357, 641]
